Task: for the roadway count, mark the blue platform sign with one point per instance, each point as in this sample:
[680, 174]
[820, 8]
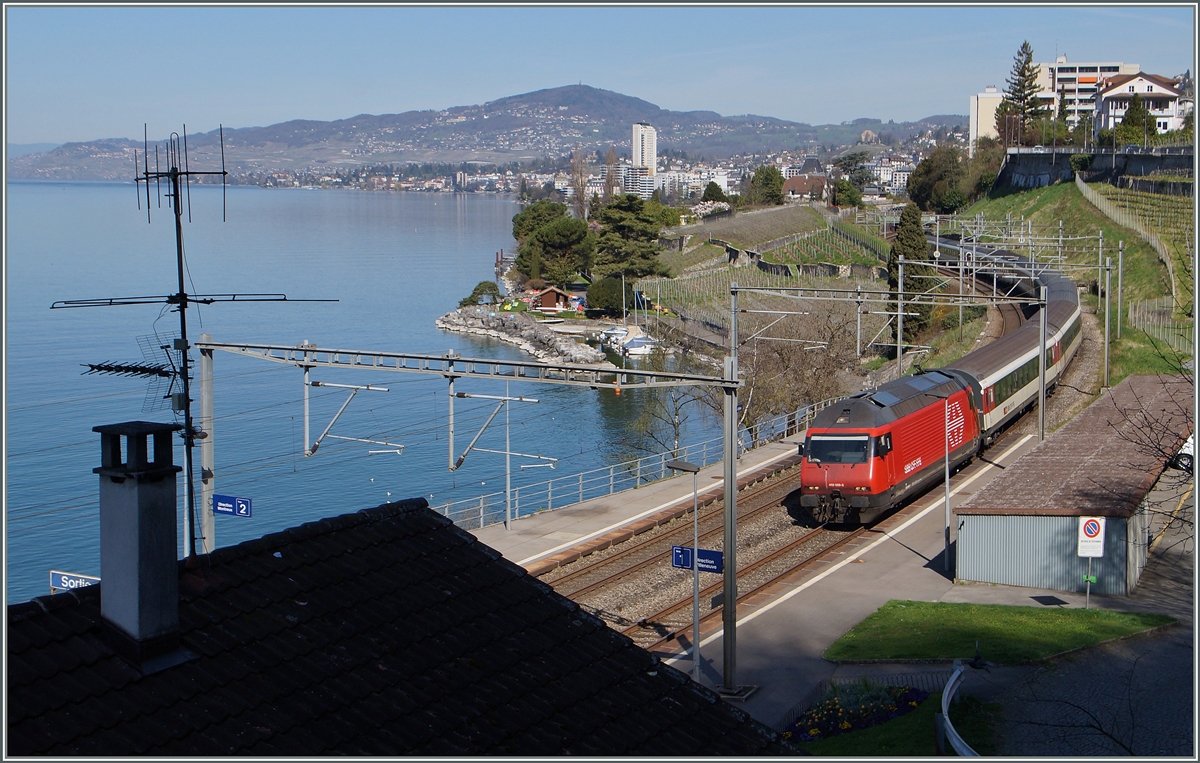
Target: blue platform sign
[68, 581]
[707, 561]
[710, 561]
[227, 504]
[681, 556]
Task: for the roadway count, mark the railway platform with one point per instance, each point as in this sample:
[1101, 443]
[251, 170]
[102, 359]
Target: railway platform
[782, 636]
[541, 542]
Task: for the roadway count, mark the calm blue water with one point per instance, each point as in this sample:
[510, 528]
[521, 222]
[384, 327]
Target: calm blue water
[394, 261]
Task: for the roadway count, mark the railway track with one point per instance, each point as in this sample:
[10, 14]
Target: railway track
[617, 566]
[632, 586]
[674, 622]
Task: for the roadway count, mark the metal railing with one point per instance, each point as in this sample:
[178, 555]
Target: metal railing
[945, 727]
[489, 509]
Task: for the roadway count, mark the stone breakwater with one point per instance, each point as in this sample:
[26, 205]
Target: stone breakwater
[523, 331]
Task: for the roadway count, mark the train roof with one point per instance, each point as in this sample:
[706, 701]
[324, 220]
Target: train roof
[1062, 296]
[888, 402]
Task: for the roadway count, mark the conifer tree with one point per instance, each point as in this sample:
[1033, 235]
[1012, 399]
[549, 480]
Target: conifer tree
[1022, 91]
[910, 242]
[1136, 124]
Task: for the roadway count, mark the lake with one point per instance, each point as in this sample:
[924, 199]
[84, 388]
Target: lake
[394, 262]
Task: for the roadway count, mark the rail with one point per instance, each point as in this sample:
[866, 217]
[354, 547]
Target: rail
[489, 509]
[946, 728]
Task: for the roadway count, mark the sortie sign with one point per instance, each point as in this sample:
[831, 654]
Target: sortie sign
[1091, 537]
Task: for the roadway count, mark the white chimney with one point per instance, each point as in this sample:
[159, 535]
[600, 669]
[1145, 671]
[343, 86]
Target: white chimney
[139, 552]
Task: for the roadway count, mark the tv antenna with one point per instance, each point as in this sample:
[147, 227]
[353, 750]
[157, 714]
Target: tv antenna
[177, 176]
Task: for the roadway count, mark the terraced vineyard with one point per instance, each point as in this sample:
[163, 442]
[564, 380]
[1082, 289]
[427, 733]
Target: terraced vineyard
[748, 230]
[1171, 218]
[829, 245]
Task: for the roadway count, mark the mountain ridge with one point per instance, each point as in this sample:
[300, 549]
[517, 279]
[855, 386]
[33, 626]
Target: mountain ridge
[542, 123]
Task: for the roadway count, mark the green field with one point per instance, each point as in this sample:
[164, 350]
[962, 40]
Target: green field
[678, 262]
[1144, 276]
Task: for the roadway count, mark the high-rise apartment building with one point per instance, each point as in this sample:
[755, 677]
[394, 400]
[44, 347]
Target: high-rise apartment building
[1074, 83]
[1077, 84]
[645, 146]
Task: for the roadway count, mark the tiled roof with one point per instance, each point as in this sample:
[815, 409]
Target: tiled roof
[1120, 80]
[1100, 463]
[384, 632]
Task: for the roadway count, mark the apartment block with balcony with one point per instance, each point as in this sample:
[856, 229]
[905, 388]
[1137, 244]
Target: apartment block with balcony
[1078, 84]
[645, 147]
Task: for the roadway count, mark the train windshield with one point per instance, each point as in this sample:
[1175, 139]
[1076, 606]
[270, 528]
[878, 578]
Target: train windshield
[832, 449]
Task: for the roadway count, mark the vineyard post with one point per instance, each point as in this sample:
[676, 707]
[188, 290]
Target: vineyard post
[1120, 281]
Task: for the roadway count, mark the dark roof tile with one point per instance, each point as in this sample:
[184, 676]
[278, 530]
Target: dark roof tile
[31, 630]
[450, 650]
[195, 745]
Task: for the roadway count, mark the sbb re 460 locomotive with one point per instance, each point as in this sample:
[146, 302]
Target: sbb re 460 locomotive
[869, 452]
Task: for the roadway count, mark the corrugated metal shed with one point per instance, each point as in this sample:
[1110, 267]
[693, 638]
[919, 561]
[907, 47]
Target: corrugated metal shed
[1022, 528]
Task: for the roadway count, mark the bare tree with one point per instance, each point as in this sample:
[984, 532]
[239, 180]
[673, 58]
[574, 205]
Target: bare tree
[1155, 429]
[579, 177]
[610, 174]
[663, 413]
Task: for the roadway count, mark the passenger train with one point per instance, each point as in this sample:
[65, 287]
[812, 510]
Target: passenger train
[866, 454]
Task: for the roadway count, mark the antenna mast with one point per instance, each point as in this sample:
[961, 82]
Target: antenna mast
[177, 174]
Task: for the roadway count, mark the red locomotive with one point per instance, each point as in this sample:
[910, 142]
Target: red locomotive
[867, 453]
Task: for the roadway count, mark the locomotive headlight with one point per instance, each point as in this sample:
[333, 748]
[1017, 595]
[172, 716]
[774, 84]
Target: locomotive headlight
[813, 487]
[861, 489]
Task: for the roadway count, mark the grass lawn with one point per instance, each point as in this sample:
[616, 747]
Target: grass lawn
[1145, 277]
[747, 230]
[1135, 353]
[1006, 635]
[680, 261]
[946, 346]
[911, 735]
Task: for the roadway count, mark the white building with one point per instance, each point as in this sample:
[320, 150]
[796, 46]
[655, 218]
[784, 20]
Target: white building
[645, 146]
[1078, 84]
[982, 116]
[1159, 95]
[1075, 83]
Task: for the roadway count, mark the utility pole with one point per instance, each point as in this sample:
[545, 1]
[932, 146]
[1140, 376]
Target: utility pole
[208, 539]
[729, 605]
[900, 321]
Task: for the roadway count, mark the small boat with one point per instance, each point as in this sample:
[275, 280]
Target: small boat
[614, 334]
[638, 345]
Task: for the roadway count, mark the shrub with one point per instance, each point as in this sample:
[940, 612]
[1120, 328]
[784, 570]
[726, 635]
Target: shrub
[852, 706]
[605, 294]
[1081, 162]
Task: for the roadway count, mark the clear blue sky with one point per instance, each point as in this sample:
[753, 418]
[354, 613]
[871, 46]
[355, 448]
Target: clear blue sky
[80, 73]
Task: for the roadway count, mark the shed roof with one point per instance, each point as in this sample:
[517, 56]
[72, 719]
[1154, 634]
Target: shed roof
[387, 631]
[1103, 461]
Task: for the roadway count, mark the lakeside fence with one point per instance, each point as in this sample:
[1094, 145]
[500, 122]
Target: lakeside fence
[475, 513]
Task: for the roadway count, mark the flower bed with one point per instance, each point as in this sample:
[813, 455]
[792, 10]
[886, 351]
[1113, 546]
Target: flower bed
[849, 707]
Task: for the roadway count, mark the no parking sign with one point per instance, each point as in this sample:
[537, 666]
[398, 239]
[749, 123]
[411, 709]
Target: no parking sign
[1091, 536]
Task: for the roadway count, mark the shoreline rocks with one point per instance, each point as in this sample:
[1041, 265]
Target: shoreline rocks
[522, 330]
